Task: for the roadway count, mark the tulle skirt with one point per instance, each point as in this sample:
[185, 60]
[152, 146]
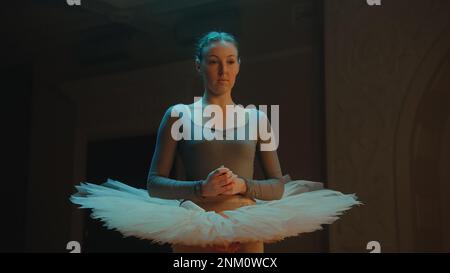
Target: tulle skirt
[304, 207]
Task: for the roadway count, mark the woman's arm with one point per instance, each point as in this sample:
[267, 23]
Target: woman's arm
[158, 183]
[271, 188]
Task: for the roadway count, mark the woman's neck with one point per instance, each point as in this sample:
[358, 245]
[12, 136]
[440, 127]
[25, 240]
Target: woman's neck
[220, 100]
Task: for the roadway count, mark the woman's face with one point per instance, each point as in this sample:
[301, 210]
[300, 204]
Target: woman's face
[219, 67]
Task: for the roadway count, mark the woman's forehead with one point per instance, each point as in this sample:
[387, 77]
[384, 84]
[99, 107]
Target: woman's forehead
[221, 49]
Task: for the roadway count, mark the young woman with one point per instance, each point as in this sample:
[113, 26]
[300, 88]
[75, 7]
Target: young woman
[220, 208]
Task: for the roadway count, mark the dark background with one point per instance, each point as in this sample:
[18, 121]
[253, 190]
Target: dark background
[363, 93]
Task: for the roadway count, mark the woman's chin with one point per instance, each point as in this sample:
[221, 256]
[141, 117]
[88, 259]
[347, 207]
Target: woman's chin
[220, 90]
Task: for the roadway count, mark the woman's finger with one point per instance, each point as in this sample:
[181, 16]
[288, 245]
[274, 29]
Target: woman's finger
[220, 171]
[226, 181]
[227, 190]
[230, 174]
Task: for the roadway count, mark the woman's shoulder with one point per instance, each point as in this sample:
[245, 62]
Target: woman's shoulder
[256, 113]
[178, 109]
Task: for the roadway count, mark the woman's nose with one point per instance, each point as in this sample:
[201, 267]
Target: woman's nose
[222, 69]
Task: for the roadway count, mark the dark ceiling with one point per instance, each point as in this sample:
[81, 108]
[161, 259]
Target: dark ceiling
[119, 31]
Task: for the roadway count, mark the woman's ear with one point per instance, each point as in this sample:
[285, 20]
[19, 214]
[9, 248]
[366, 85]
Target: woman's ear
[197, 66]
[239, 65]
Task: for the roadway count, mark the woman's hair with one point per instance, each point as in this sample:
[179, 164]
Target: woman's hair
[211, 37]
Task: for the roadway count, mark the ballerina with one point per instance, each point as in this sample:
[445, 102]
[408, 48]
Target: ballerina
[220, 208]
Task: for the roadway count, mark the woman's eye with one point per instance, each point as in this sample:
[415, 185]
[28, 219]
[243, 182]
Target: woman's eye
[216, 62]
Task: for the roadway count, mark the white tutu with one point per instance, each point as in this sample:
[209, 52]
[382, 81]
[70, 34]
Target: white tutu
[304, 207]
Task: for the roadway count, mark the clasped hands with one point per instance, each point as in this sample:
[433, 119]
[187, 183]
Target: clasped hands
[222, 181]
